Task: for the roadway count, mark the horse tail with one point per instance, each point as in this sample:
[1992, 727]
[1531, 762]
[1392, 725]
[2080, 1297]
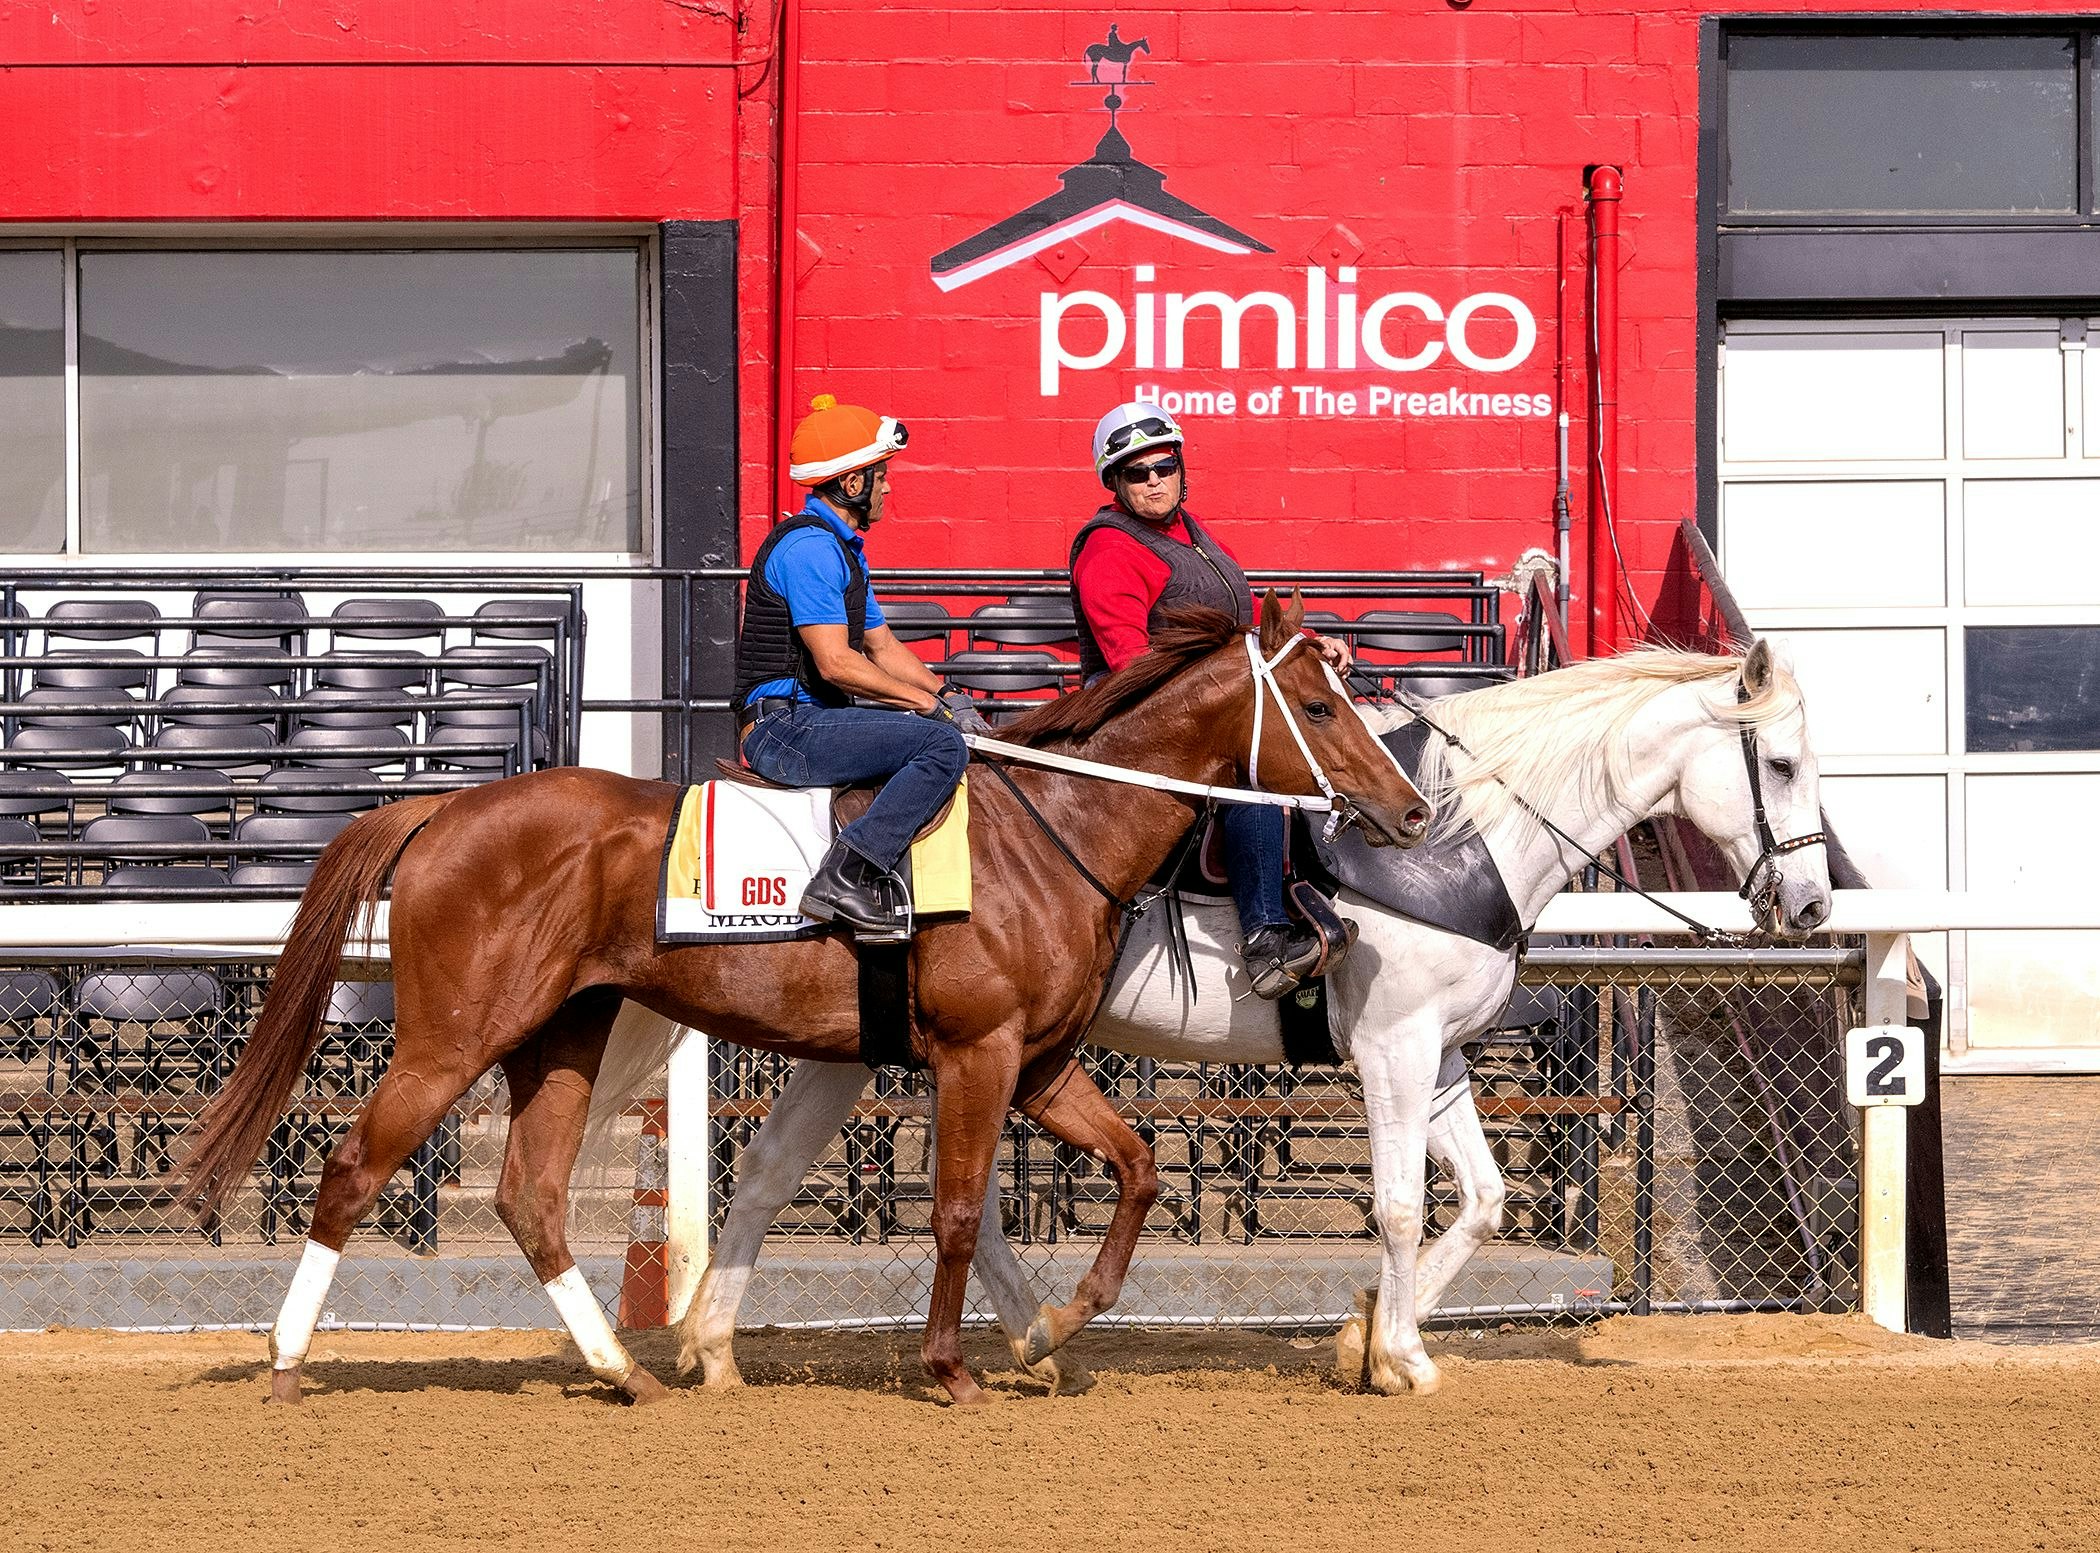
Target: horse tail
[229, 1137]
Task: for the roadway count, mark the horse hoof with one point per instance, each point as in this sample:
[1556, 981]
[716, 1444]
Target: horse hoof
[1042, 1340]
[1038, 1347]
[284, 1388]
[1391, 1381]
[643, 1388]
[722, 1377]
[971, 1396]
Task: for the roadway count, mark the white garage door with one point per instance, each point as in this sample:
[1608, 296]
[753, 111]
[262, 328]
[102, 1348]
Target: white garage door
[1914, 509]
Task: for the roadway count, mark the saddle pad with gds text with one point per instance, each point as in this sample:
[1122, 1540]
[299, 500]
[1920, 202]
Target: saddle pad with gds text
[737, 859]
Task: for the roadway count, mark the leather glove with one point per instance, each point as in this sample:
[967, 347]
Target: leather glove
[961, 710]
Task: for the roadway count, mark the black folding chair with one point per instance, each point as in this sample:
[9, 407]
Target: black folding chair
[917, 620]
[388, 620]
[354, 749]
[69, 749]
[207, 706]
[133, 1002]
[254, 664]
[148, 792]
[323, 707]
[1033, 620]
[294, 790]
[235, 620]
[240, 752]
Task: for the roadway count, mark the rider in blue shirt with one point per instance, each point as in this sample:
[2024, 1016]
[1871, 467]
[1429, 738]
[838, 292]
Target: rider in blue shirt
[813, 642]
[808, 571]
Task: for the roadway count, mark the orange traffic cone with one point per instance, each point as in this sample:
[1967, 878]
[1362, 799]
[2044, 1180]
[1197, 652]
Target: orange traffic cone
[644, 1286]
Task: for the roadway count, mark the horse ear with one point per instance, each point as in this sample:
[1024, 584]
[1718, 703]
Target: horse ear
[1273, 627]
[1757, 667]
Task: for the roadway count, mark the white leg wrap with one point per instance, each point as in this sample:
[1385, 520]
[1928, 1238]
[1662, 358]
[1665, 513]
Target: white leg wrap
[301, 1309]
[585, 1318]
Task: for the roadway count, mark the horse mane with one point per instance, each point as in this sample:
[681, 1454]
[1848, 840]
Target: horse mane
[1536, 734]
[1189, 633]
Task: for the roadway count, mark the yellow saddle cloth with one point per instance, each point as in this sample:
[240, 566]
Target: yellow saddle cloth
[738, 858]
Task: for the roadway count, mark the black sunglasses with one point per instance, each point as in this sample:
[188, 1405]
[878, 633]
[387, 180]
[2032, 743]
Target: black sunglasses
[1135, 473]
[1120, 438]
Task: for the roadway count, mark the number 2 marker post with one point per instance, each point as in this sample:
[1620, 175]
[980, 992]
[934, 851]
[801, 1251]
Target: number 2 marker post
[1884, 1072]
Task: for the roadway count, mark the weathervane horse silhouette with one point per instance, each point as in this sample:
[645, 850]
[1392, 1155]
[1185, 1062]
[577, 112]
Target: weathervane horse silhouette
[1116, 51]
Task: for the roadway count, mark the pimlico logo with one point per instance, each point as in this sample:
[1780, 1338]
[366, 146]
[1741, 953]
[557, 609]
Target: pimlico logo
[1325, 324]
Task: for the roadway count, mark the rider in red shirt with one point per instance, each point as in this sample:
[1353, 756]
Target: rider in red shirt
[1140, 556]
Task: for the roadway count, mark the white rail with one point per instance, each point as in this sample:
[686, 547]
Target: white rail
[258, 928]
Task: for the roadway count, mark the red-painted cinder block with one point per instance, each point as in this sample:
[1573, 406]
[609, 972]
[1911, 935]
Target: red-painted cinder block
[1409, 87]
[1671, 40]
[1597, 38]
[1571, 137]
[1466, 140]
[1523, 87]
[1638, 89]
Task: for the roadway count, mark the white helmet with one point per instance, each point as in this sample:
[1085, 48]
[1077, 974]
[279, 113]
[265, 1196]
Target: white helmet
[1130, 429]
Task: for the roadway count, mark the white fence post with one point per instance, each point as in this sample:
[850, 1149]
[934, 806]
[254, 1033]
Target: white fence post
[1882, 1173]
[686, 1161]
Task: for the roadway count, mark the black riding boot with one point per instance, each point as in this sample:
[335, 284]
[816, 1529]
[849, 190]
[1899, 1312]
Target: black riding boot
[850, 889]
[1277, 958]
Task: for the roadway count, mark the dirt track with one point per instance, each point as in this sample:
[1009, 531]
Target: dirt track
[1736, 1434]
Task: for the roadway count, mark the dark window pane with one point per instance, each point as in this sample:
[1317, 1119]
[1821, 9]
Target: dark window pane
[2034, 688]
[428, 401]
[1836, 125]
[32, 402]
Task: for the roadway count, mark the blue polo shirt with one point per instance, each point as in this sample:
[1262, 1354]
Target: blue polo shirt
[807, 570]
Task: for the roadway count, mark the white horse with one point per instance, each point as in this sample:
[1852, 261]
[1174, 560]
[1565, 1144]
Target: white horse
[1596, 748]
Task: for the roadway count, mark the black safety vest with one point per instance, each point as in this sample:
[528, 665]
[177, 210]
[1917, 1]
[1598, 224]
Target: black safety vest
[768, 647]
[1197, 573]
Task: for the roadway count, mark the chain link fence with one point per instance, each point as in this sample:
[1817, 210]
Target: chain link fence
[104, 1063]
[1670, 1123]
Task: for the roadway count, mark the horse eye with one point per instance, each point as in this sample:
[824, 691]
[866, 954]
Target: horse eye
[1319, 709]
[1782, 769]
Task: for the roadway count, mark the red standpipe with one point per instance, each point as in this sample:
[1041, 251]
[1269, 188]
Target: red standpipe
[1563, 490]
[787, 250]
[1605, 187]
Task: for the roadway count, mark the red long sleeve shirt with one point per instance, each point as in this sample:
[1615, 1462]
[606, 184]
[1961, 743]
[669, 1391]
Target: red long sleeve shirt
[1117, 581]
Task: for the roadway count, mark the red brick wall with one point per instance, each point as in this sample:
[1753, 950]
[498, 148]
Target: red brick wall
[1443, 140]
[148, 110]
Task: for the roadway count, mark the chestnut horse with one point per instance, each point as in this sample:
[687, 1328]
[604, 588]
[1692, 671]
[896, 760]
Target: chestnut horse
[525, 910]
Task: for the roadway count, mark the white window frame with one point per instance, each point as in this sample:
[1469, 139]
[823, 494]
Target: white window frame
[643, 240]
[1952, 617]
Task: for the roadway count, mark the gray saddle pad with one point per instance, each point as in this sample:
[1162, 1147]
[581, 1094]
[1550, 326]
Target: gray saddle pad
[1451, 883]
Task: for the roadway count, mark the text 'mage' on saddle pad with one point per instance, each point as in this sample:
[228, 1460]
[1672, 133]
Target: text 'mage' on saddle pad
[738, 858]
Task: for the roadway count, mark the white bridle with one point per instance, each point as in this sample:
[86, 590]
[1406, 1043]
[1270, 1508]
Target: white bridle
[1330, 803]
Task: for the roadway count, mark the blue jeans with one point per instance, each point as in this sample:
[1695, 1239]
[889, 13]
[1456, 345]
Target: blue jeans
[1254, 843]
[823, 746]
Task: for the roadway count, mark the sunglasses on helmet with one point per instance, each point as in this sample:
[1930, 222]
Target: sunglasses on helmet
[1136, 473]
[1123, 436]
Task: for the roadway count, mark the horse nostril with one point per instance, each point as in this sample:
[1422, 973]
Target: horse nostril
[1416, 821]
[1812, 913]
